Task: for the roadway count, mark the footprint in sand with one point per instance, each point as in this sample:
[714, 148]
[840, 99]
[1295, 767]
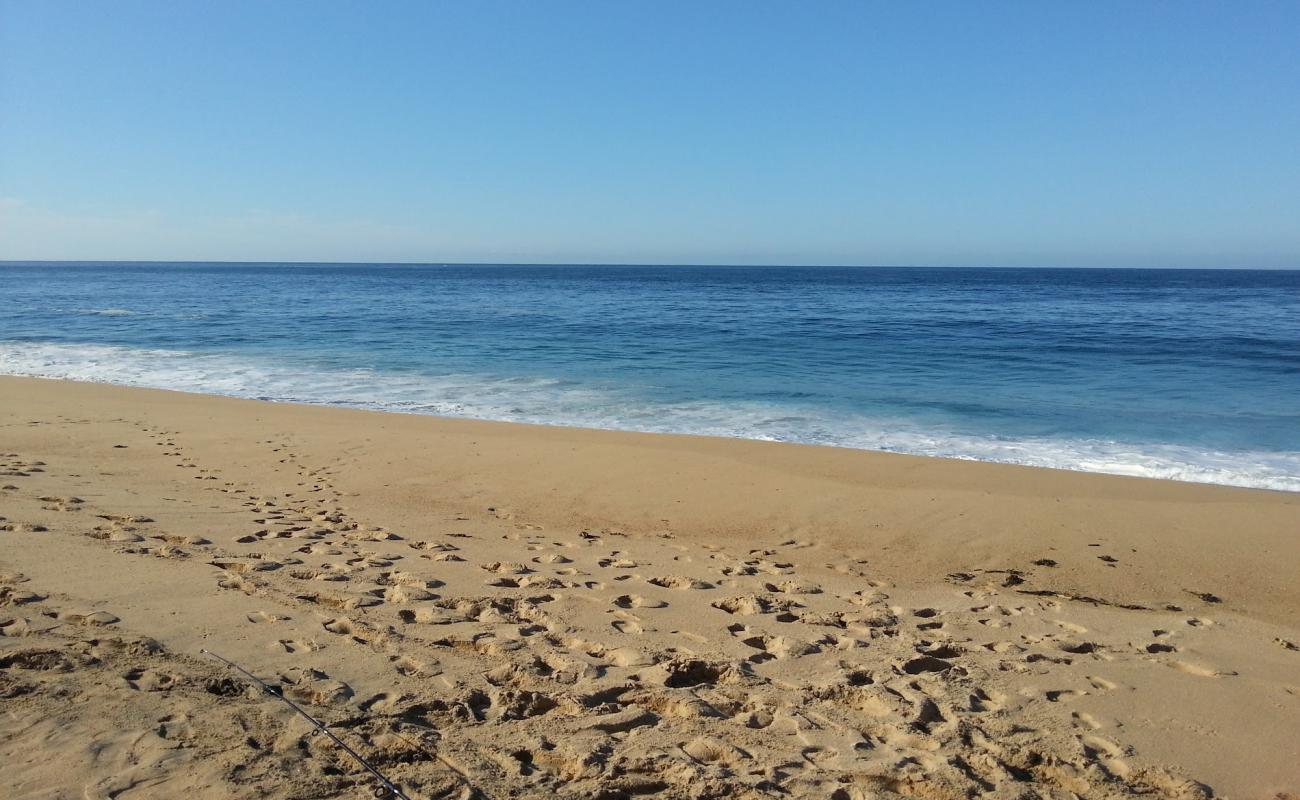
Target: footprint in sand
[1082, 719]
[22, 527]
[1063, 695]
[62, 503]
[317, 575]
[126, 519]
[553, 558]
[148, 680]
[793, 586]
[442, 557]
[403, 594]
[262, 616]
[774, 647]
[384, 701]
[423, 616]
[245, 567]
[370, 536]
[983, 700]
[617, 563]
[412, 667]
[318, 691]
[678, 582]
[627, 624]
[929, 617]
[93, 619]
[238, 583]
[752, 604]
[320, 548]
[797, 544]
[637, 601]
[1105, 752]
[340, 625]
[116, 535]
[15, 626]
[175, 539]
[707, 750]
[1200, 670]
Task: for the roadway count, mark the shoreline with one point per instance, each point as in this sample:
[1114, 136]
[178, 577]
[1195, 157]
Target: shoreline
[362, 407]
[729, 604]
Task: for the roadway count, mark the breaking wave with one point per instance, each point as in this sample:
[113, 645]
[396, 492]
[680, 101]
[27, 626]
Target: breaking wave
[551, 401]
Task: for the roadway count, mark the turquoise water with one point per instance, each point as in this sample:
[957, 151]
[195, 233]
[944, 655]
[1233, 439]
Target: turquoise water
[1187, 374]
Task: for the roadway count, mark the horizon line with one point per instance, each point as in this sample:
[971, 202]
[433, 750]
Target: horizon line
[42, 261]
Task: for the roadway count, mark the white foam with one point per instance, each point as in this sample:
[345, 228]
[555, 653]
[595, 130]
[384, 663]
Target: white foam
[553, 402]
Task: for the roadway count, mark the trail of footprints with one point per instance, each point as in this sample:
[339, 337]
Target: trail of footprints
[760, 683]
[163, 721]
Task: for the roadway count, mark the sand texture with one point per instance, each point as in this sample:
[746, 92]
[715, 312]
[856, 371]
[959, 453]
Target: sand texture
[498, 610]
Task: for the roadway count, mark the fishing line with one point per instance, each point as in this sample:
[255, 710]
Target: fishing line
[385, 788]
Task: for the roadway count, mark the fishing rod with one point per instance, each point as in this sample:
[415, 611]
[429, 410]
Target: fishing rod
[385, 787]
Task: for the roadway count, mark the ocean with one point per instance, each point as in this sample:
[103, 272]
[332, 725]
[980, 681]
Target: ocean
[1185, 374]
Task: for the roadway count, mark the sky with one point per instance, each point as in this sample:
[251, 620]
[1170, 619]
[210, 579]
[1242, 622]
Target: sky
[1145, 134]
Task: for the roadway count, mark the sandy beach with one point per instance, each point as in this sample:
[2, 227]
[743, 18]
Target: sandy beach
[501, 610]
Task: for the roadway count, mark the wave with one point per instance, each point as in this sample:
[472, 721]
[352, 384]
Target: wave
[111, 312]
[550, 401]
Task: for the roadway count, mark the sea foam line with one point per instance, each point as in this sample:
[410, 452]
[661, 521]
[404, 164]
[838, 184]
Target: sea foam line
[550, 401]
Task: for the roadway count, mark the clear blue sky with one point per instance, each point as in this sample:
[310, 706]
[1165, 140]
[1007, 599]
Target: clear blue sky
[967, 133]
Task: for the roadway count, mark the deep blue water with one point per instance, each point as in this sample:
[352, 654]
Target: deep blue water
[1191, 374]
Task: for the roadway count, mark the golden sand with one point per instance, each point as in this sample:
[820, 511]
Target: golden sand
[522, 611]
